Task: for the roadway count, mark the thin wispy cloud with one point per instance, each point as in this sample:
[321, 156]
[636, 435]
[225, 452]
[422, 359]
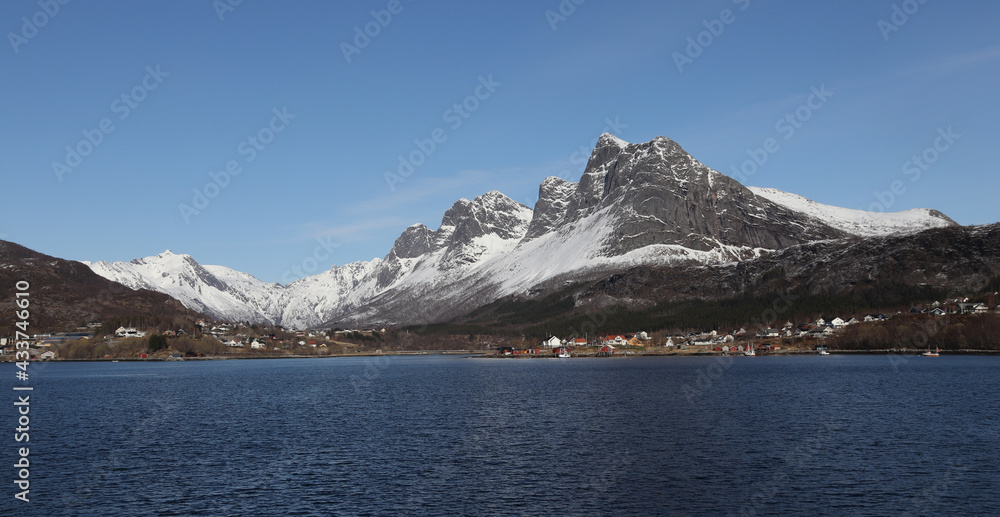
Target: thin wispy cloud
[938, 65]
[421, 189]
[354, 230]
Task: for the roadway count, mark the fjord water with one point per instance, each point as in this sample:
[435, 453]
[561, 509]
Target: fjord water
[430, 435]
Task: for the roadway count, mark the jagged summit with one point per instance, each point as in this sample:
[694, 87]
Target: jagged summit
[648, 203]
[608, 139]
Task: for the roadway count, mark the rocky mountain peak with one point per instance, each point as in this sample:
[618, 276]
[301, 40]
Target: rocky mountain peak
[554, 195]
[490, 213]
[414, 242]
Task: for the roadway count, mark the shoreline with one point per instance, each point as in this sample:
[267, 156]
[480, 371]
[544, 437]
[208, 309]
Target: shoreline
[488, 354]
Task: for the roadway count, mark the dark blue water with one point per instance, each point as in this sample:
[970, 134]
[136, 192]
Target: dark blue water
[453, 436]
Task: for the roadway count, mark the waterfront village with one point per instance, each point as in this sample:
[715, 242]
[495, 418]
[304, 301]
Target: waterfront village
[207, 339]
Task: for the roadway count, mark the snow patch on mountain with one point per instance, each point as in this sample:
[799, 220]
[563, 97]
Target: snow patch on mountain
[858, 222]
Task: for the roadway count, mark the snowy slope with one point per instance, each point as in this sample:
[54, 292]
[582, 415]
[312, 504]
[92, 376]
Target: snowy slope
[214, 290]
[635, 204]
[858, 222]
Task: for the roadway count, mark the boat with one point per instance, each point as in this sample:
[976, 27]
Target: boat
[824, 352]
[935, 353]
[562, 353]
[749, 351]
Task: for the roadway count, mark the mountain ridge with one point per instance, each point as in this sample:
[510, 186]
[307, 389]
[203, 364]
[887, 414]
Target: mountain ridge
[645, 204]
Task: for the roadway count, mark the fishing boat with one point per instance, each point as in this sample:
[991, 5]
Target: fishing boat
[935, 353]
[562, 353]
[749, 351]
[824, 352]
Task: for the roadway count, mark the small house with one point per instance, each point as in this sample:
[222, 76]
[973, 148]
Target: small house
[768, 333]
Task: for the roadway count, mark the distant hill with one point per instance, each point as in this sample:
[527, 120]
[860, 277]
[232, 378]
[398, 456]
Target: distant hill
[66, 293]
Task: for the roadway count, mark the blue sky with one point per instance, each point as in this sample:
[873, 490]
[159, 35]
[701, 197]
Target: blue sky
[204, 86]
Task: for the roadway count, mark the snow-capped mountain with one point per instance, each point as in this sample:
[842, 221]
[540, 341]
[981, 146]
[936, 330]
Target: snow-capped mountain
[859, 222]
[636, 204]
[214, 290]
[232, 295]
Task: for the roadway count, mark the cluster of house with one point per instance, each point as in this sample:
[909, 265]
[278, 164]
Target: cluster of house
[41, 345]
[953, 306]
[310, 338]
[818, 329]
[638, 339]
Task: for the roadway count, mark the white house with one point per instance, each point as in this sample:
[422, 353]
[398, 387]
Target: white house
[552, 342]
[616, 340]
[669, 343]
[257, 345]
[838, 323]
[768, 332]
[820, 332]
[48, 354]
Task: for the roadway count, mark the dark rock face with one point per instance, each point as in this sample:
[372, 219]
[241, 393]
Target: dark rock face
[554, 195]
[665, 196]
[958, 259]
[489, 214]
[414, 242]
